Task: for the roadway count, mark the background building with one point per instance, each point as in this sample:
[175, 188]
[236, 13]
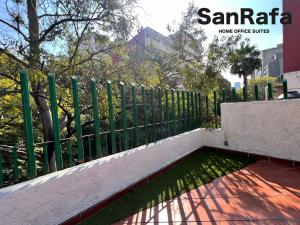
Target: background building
[148, 39]
[272, 61]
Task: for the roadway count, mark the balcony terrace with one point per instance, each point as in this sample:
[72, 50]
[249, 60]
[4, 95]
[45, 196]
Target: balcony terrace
[244, 169]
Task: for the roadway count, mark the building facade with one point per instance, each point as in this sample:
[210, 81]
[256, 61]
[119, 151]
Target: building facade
[272, 61]
[147, 39]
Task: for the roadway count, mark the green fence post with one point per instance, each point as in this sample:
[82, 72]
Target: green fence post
[124, 116]
[111, 118]
[173, 110]
[233, 94]
[188, 110]
[55, 121]
[270, 91]
[207, 108]
[197, 110]
[27, 117]
[96, 119]
[45, 156]
[167, 112]
[160, 111]
[178, 112]
[215, 109]
[90, 148]
[195, 122]
[200, 109]
[69, 150]
[244, 93]
[1, 171]
[152, 115]
[145, 114]
[223, 95]
[256, 92]
[135, 117]
[77, 119]
[184, 128]
[106, 143]
[193, 111]
[120, 140]
[16, 164]
[285, 89]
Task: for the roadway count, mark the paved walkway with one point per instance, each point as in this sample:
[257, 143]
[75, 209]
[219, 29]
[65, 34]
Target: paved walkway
[264, 193]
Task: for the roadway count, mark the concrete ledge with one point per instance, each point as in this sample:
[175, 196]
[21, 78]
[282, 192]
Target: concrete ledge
[57, 197]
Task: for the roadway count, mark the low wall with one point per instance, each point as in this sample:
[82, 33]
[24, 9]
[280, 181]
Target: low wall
[53, 198]
[269, 128]
[293, 80]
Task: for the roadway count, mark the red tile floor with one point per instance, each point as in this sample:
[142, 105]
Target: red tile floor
[266, 192]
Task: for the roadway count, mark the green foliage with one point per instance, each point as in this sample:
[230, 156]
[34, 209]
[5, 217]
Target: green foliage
[220, 49]
[244, 60]
[202, 69]
[10, 102]
[262, 83]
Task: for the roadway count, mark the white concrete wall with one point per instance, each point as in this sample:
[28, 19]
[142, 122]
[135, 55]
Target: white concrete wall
[293, 79]
[270, 128]
[55, 197]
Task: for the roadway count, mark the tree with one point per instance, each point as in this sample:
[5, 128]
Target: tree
[244, 60]
[188, 35]
[201, 70]
[31, 29]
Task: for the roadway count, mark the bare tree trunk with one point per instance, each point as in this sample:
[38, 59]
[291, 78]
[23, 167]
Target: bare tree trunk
[38, 93]
[45, 116]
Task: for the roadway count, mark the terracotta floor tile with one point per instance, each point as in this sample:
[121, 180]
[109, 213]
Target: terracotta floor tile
[263, 222]
[263, 193]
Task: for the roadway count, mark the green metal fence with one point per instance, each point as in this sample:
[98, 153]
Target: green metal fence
[145, 115]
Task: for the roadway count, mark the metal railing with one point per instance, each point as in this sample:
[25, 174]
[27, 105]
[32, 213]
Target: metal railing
[156, 114]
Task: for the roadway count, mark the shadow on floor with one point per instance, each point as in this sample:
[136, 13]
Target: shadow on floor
[151, 201]
[262, 193]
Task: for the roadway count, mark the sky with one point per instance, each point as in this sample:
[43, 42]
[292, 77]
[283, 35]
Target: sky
[158, 13]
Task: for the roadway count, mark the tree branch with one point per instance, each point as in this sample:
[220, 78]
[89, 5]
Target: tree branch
[14, 28]
[66, 20]
[9, 77]
[14, 58]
